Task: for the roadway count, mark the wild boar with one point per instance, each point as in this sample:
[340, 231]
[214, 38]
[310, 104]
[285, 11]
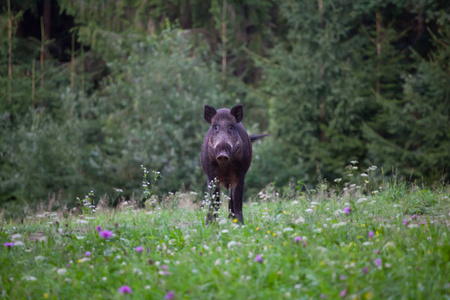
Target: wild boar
[226, 155]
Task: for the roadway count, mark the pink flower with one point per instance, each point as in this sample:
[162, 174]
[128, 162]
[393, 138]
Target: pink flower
[169, 295]
[98, 228]
[378, 262]
[347, 210]
[405, 222]
[371, 234]
[139, 249]
[364, 270]
[343, 293]
[298, 239]
[9, 245]
[106, 234]
[88, 253]
[164, 267]
[125, 289]
[258, 258]
[68, 266]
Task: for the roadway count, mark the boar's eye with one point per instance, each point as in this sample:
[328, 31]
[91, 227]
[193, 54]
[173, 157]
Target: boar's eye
[230, 127]
[215, 127]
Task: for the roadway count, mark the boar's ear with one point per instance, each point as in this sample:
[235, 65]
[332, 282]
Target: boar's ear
[209, 113]
[238, 112]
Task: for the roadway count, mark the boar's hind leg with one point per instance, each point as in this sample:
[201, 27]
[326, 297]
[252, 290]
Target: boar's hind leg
[236, 201]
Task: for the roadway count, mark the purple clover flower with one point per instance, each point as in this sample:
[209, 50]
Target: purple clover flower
[68, 266]
[378, 262]
[405, 222]
[298, 239]
[347, 210]
[98, 228]
[139, 249]
[125, 289]
[258, 258]
[9, 245]
[371, 234]
[106, 234]
[164, 267]
[88, 253]
[343, 293]
[169, 295]
[364, 270]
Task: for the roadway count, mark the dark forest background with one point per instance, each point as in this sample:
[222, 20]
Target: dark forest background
[90, 90]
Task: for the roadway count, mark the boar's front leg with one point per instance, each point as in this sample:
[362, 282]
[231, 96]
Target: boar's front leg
[236, 201]
[214, 206]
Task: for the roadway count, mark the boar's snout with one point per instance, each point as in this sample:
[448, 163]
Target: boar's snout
[222, 157]
[223, 152]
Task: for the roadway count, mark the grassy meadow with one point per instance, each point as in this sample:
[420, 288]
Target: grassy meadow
[363, 241]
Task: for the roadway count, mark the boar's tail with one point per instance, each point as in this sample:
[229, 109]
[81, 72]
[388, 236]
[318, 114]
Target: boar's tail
[255, 137]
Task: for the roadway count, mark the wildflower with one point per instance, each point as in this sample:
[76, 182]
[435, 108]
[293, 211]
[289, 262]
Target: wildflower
[164, 267]
[268, 231]
[125, 289]
[371, 234]
[274, 234]
[88, 253]
[288, 229]
[139, 249]
[68, 266]
[257, 229]
[364, 270]
[363, 175]
[98, 228]
[405, 222]
[106, 234]
[309, 210]
[298, 239]
[231, 244]
[342, 277]
[9, 245]
[323, 296]
[359, 237]
[46, 295]
[169, 295]
[235, 220]
[378, 262]
[29, 278]
[347, 210]
[61, 271]
[368, 295]
[343, 293]
[258, 258]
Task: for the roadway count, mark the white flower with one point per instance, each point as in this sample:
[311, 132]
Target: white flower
[367, 243]
[309, 210]
[222, 222]
[288, 229]
[319, 230]
[364, 175]
[413, 226]
[225, 231]
[299, 220]
[19, 243]
[294, 202]
[61, 271]
[217, 262]
[361, 200]
[338, 225]
[323, 249]
[147, 287]
[16, 237]
[81, 221]
[104, 278]
[39, 258]
[337, 179]
[29, 278]
[231, 244]
[314, 203]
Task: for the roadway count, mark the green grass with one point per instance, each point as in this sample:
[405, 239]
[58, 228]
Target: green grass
[335, 256]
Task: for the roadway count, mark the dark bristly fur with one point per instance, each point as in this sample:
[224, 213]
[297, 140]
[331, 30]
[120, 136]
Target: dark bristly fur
[227, 155]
